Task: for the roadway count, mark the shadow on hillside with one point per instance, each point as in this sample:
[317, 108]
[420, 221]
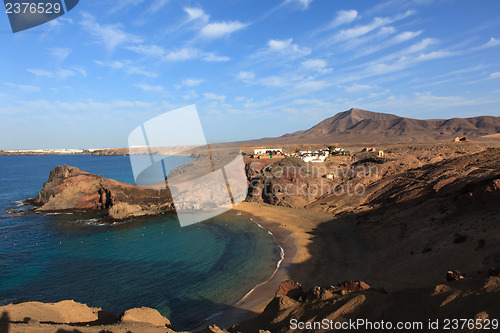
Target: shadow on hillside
[401, 245]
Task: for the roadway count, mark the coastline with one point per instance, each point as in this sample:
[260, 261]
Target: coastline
[289, 227]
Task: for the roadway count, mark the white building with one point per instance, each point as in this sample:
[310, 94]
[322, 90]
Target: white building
[317, 156]
[267, 151]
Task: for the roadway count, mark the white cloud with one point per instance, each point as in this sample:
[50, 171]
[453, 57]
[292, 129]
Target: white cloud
[80, 70]
[212, 96]
[406, 35]
[211, 57]
[110, 35]
[192, 82]
[113, 64]
[357, 87]
[399, 38]
[495, 75]
[60, 53]
[361, 30]
[57, 74]
[149, 88]
[344, 17]
[196, 14]
[23, 87]
[379, 68]
[318, 65]
[492, 42]
[243, 75]
[287, 47]
[304, 4]
[157, 5]
[275, 81]
[221, 29]
[190, 94]
[148, 50]
[139, 71]
[312, 85]
[127, 67]
[415, 48]
[40, 72]
[182, 54]
[434, 55]
[124, 4]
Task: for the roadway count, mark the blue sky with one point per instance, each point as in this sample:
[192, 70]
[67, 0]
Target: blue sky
[253, 68]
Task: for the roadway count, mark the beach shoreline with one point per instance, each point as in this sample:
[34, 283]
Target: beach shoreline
[291, 236]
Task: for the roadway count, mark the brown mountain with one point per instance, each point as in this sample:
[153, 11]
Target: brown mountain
[360, 126]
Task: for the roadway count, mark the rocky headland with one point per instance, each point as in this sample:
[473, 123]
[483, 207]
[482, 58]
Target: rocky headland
[70, 188]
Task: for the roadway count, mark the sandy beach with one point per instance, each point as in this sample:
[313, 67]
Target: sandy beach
[292, 229]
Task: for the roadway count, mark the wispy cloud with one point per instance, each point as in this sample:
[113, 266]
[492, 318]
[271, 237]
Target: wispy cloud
[192, 82]
[244, 75]
[495, 75]
[196, 13]
[139, 71]
[399, 38]
[361, 30]
[23, 87]
[60, 53]
[124, 4]
[148, 50]
[221, 29]
[57, 74]
[127, 67]
[157, 5]
[110, 35]
[343, 17]
[212, 57]
[149, 88]
[354, 88]
[492, 42]
[212, 96]
[303, 4]
[181, 54]
[317, 65]
[287, 47]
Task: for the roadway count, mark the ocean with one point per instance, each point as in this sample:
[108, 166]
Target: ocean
[187, 274]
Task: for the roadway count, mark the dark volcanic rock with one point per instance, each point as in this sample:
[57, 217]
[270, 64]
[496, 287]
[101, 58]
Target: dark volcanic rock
[71, 188]
[459, 238]
[454, 276]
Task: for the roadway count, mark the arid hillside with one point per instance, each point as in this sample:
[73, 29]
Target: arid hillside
[360, 126]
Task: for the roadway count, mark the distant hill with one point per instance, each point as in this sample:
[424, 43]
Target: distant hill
[361, 126]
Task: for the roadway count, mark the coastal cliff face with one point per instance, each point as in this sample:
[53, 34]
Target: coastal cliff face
[292, 306]
[356, 300]
[71, 188]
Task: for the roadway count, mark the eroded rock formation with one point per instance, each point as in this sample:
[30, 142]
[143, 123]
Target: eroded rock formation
[71, 188]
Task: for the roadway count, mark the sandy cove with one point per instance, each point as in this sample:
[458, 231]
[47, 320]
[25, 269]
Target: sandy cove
[293, 239]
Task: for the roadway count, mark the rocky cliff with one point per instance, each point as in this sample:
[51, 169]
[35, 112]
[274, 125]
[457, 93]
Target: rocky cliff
[348, 305]
[324, 309]
[71, 188]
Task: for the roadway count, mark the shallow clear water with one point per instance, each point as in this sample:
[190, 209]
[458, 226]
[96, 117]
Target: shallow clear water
[186, 273]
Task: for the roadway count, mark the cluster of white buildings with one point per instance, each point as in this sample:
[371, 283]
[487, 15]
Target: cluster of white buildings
[48, 151]
[319, 155]
[268, 151]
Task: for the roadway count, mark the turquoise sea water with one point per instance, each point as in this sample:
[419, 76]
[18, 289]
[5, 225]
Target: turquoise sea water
[186, 273]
